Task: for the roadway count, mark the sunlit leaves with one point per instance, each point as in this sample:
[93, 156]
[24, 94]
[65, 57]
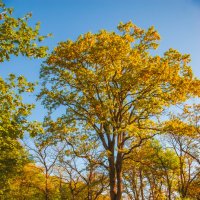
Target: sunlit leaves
[13, 111]
[17, 37]
[101, 76]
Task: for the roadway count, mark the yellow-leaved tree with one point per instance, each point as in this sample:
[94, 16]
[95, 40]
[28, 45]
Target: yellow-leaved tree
[110, 83]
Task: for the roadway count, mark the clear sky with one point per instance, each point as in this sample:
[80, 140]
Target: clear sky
[177, 21]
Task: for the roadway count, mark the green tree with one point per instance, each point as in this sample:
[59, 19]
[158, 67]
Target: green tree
[111, 84]
[13, 124]
[185, 140]
[151, 172]
[16, 37]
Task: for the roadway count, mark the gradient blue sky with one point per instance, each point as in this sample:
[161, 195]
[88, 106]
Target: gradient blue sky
[177, 21]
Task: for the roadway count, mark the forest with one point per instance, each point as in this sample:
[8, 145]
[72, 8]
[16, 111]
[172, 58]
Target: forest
[125, 126]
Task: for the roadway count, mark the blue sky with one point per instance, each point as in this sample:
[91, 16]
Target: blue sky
[177, 21]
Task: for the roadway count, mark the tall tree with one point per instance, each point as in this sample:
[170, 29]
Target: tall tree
[111, 84]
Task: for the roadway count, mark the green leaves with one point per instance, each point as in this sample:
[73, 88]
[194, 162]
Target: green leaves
[13, 111]
[17, 37]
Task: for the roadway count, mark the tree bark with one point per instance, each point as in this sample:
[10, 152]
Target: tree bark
[119, 175]
[46, 187]
[141, 185]
[112, 178]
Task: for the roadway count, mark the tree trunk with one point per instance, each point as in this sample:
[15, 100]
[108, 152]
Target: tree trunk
[46, 187]
[119, 175]
[141, 185]
[169, 188]
[112, 178]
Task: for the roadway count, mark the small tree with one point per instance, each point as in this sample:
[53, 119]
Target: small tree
[185, 140]
[46, 156]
